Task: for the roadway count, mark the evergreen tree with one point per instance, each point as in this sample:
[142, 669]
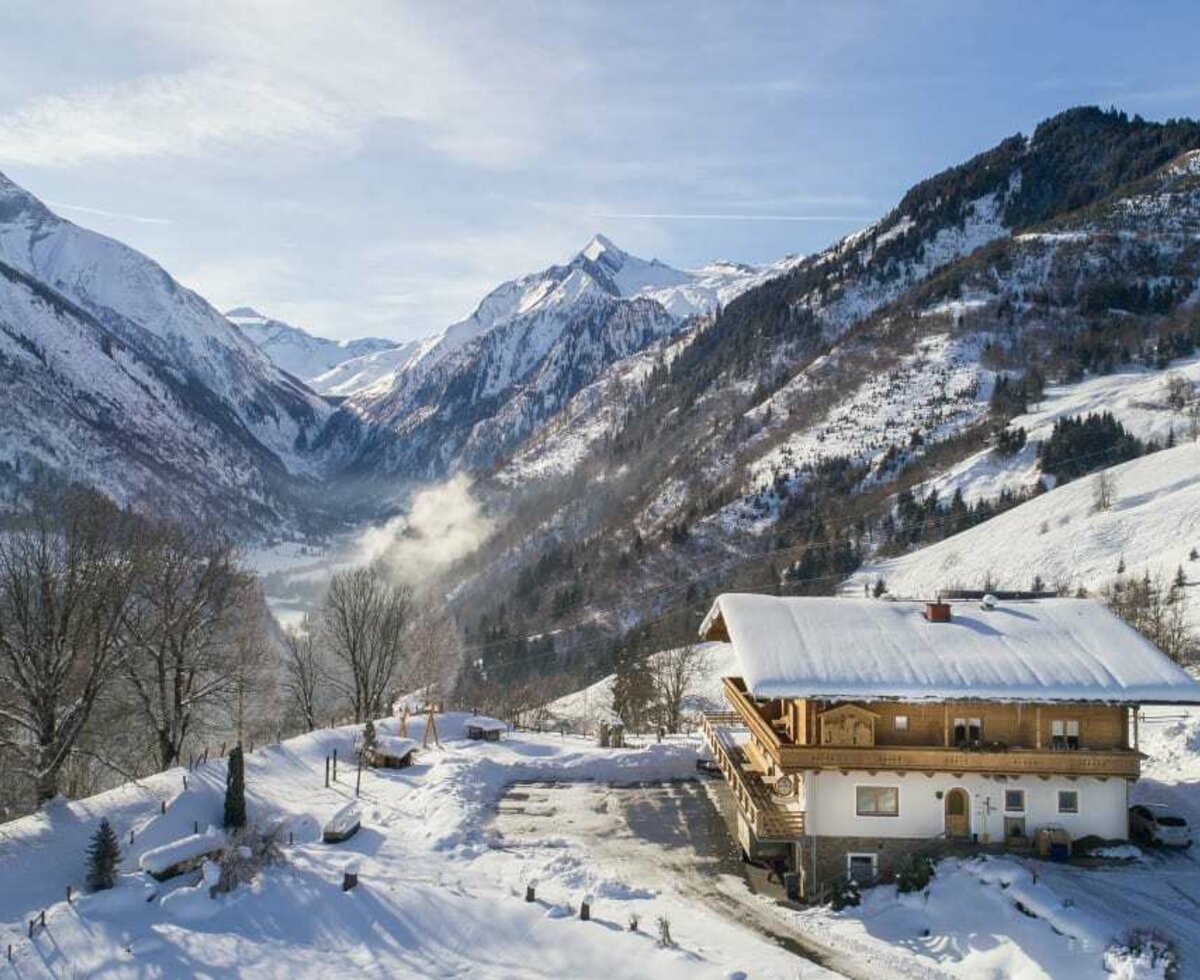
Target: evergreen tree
[235, 789]
[104, 855]
[633, 689]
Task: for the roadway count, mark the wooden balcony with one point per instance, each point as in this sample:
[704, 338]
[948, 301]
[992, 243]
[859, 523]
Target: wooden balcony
[767, 819]
[790, 757]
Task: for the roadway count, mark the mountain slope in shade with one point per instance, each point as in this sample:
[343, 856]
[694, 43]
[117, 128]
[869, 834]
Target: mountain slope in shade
[298, 352]
[118, 376]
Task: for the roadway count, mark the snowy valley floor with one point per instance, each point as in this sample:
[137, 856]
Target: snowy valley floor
[448, 846]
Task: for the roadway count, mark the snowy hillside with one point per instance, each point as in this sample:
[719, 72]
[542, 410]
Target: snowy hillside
[300, 353]
[117, 376]
[585, 708]
[1152, 526]
[1137, 397]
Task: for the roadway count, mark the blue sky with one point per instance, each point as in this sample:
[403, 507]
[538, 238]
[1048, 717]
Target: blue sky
[375, 167]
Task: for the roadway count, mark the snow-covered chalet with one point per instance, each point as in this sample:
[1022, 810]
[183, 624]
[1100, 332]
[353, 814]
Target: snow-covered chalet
[863, 730]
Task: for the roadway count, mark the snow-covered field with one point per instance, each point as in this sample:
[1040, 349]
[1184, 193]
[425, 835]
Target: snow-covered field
[1153, 525]
[442, 880]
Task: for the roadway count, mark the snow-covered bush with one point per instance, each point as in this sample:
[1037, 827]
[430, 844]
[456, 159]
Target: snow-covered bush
[844, 894]
[1143, 953]
[251, 849]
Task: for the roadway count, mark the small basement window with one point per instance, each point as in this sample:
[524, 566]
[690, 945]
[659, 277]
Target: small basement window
[861, 868]
[1068, 801]
[1014, 801]
[901, 723]
[877, 801]
[1064, 733]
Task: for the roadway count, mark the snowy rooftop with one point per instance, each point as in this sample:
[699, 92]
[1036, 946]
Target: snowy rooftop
[485, 724]
[1043, 650]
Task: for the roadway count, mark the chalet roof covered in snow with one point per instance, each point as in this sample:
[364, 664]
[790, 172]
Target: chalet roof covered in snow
[1042, 650]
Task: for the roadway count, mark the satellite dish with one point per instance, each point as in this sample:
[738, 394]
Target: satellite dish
[784, 786]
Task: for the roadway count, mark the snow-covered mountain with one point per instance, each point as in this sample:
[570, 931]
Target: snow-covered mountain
[486, 383]
[115, 374]
[298, 352]
[771, 439]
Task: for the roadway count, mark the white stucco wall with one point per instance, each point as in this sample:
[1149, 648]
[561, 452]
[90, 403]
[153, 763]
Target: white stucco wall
[830, 802]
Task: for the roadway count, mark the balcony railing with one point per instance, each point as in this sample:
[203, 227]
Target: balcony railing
[788, 756]
[768, 820]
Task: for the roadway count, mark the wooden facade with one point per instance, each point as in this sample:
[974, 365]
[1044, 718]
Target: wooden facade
[965, 736]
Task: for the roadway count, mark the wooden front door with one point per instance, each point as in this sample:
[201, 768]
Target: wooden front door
[958, 817]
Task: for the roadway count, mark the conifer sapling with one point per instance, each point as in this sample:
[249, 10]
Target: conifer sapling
[104, 854]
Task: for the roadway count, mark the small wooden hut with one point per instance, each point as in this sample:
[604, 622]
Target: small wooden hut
[483, 729]
[391, 752]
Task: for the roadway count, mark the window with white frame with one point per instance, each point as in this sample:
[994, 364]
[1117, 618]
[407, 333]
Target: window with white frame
[877, 801]
[1064, 733]
[861, 867]
[901, 723]
[967, 730]
[1068, 801]
[1014, 801]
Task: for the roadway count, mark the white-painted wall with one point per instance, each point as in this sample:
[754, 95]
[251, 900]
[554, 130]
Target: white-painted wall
[830, 801]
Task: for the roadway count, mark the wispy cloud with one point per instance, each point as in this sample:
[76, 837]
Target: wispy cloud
[82, 209]
[668, 216]
[322, 81]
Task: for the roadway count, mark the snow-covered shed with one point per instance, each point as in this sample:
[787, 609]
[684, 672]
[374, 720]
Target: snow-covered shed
[183, 855]
[876, 649]
[392, 752]
[483, 729]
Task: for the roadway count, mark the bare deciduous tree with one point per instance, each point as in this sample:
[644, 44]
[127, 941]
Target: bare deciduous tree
[303, 672]
[65, 584]
[189, 587]
[676, 673]
[362, 626]
[1104, 491]
[435, 652]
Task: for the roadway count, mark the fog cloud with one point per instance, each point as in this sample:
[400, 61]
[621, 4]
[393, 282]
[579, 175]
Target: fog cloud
[444, 524]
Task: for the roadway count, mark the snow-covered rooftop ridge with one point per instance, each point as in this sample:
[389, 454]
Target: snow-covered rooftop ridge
[1037, 650]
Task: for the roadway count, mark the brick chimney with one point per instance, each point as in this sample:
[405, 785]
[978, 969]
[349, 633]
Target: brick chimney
[937, 611]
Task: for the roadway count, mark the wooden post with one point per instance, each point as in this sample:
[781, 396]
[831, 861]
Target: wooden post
[195, 826]
[185, 784]
[68, 894]
[531, 891]
[162, 806]
[350, 876]
[335, 765]
[358, 776]
[585, 909]
[291, 838]
[130, 835]
[430, 727]
[327, 772]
